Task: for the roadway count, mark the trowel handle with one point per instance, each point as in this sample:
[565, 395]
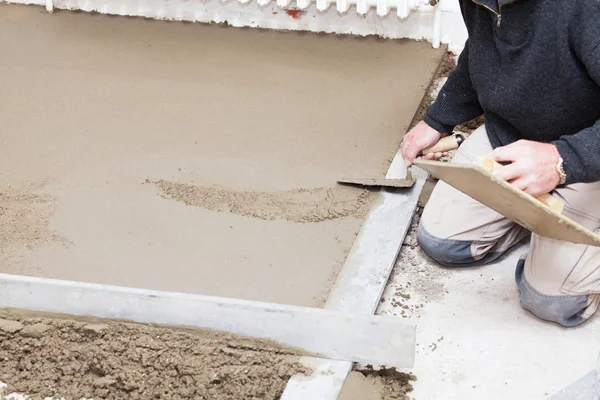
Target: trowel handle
[445, 144]
[552, 202]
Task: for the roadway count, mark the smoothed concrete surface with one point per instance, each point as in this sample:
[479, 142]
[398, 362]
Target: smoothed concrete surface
[95, 108]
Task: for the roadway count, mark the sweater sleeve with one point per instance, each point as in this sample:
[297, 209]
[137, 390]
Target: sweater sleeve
[457, 101]
[580, 151]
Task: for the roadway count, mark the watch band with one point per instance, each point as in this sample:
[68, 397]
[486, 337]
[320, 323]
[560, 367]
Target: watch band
[561, 171]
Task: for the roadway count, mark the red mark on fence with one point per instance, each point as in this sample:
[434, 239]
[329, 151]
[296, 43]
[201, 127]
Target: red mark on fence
[296, 14]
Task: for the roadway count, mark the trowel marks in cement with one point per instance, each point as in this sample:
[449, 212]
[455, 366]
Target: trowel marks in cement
[299, 205]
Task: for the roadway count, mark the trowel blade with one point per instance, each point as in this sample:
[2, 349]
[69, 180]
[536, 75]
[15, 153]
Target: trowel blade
[396, 183]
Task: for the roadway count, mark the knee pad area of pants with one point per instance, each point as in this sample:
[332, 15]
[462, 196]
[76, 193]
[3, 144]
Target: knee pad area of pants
[447, 252]
[564, 310]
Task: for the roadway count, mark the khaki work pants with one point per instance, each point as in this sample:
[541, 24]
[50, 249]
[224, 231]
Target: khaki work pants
[558, 281]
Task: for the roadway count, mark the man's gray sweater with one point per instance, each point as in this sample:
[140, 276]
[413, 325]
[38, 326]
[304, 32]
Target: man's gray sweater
[532, 68]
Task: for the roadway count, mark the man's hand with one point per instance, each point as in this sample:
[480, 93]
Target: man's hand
[532, 166]
[418, 138]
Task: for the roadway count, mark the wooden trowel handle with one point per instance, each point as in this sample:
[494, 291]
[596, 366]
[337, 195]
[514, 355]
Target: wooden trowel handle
[552, 202]
[445, 144]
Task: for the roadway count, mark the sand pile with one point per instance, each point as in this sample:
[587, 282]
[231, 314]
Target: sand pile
[113, 360]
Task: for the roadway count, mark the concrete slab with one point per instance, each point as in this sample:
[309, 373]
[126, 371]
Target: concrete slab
[193, 158]
[475, 341]
[585, 388]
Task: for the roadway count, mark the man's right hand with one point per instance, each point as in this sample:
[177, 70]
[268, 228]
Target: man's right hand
[418, 138]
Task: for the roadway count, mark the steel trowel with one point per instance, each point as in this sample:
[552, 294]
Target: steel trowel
[448, 143]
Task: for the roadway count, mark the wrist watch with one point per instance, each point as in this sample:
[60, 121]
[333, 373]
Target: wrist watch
[561, 171]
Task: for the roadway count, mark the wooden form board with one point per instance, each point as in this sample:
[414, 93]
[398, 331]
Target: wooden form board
[476, 182]
[325, 333]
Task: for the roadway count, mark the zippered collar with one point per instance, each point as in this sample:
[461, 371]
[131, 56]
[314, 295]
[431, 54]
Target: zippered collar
[491, 5]
[494, 6]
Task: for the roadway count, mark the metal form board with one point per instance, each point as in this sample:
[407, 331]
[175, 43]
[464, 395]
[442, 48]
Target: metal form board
[327, 333]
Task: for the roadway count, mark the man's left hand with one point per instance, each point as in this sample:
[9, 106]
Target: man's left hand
[532, 166]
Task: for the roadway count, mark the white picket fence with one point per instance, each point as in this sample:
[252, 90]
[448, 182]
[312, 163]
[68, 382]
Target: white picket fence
[440, 23]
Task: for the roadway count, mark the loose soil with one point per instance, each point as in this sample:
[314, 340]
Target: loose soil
[113, 360]
[246, 130]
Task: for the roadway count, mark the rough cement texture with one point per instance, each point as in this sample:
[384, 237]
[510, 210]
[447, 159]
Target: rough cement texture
[299, 205]
[112, 360]
[24, 219]
[92, 106]
[377, 384]
[414, 272]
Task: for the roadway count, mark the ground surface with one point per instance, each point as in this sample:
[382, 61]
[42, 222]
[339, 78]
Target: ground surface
[193, 158]
[109, 360]
[474, 340]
